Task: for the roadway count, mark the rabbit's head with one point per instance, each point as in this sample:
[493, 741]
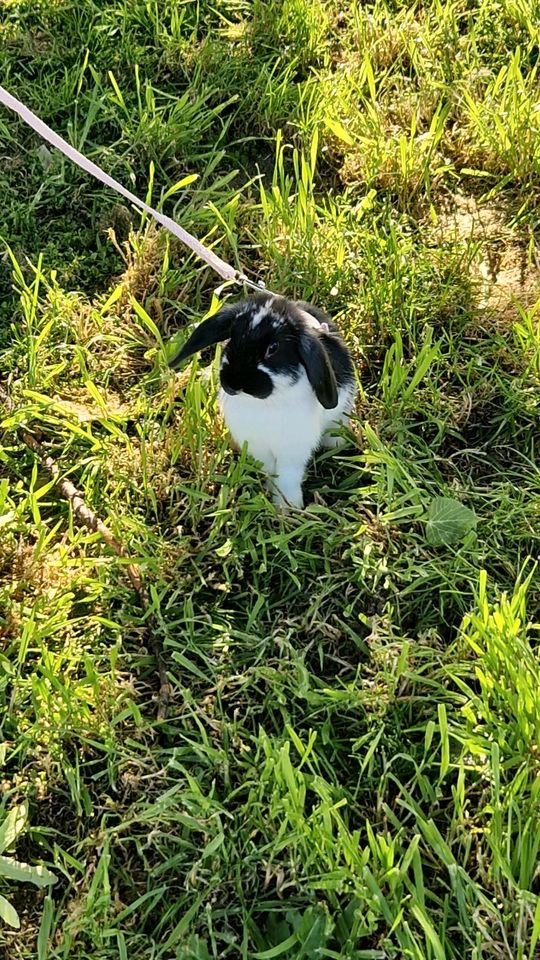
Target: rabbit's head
[269, 342]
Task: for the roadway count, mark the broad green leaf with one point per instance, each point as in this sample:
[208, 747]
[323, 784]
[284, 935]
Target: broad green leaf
[146, 320]
[225, 549]
[45, 929]
[278, 950]
[429, 931]
[535, 935]
[95, 394]
[13, 870]
[12, 826]
[179, 185]
[8, 913]
[116, 89]
[115, 295]
[448, 521]
[339, 131]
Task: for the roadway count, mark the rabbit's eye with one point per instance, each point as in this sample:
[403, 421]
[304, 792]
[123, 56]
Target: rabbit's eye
[271, 348]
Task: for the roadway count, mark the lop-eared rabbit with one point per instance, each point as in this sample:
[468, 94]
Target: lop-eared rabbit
[287, 380]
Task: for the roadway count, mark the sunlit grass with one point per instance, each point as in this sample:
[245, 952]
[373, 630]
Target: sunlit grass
[349, 764]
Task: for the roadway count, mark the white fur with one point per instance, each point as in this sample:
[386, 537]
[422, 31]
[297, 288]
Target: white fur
[285, 429]
[258, 315]
[312, 321]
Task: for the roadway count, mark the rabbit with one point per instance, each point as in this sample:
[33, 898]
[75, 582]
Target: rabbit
[286, 378]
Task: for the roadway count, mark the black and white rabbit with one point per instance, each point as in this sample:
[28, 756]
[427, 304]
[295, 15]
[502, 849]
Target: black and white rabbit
[286, 379]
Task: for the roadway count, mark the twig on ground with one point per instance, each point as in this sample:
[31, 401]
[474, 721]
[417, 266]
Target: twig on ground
[88, 518]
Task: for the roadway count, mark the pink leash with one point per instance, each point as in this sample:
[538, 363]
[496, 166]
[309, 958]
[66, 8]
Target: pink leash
[223, 269]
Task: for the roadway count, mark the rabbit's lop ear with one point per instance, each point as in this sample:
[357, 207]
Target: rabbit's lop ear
[213, 330]
[312, 311]
[319, 370]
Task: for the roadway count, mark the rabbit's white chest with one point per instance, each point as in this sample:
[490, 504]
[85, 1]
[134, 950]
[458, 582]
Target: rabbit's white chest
[286, 425]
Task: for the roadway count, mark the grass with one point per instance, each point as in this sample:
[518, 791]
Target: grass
[349, 766]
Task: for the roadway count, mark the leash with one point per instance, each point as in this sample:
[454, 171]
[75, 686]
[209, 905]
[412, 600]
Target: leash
[223, 269]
